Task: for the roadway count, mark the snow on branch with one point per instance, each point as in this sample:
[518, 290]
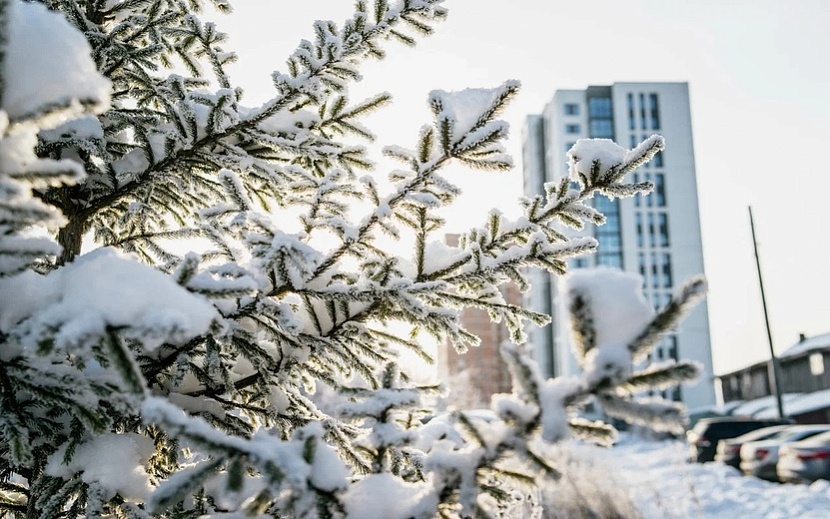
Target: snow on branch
[601, 164]
[44, 80]
[613, 329]
[466, 124]
[79, 302]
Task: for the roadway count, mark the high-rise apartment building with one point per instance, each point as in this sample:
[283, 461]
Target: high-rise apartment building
[657, 236]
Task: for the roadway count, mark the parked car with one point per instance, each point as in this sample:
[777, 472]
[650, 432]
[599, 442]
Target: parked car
[759, 458]
[729, 449]
[707, 432]
[805, 461]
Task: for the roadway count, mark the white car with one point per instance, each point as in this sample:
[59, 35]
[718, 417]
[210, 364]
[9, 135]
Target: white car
[759, 458]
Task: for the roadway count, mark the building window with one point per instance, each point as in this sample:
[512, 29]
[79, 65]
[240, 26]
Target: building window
[655, 280]
[602, 128]
[608, 235]
[643, 111]
[673, 348]
[609, 260]
[638, 217]
[654, 111]
[631, 118]
[641, 260]
[572, 128]
[817, 364]
[651, 240]
[663, 228]
[658, 160]
[660, 190]
[599, 107]
[665, 267]
[655, 301]
[571, 109]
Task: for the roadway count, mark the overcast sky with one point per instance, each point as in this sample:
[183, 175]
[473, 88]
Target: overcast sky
[758, 77]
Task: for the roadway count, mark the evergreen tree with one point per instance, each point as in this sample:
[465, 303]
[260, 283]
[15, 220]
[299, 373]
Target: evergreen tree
[140, 382]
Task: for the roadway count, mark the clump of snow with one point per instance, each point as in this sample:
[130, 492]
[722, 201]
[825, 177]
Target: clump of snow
[585, 152]
[470, 114]
[380, 400]
[134, 161]
[554, 394]
[40, 75]
[384, 496]
[17, 157]
[327, 471]
[284, 121]
[510, 407]
[117, 462]
[104, 288]
[619, 309]
[82, 128]
[438, 256]
[610, 361]
[464, 106]
[197, 404]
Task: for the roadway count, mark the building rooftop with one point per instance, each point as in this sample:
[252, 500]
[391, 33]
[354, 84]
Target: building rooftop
[806, 344]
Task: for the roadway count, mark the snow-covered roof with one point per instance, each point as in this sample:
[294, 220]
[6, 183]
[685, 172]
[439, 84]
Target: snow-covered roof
[819, 342]
[766, 403]
[799, 405]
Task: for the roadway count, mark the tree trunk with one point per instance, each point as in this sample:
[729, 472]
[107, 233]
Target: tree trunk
[70, 237]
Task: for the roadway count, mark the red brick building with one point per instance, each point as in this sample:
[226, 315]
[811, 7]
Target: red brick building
[480, 373]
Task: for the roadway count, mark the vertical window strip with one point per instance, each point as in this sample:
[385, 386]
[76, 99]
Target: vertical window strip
[660, 189]
[654, 111]
[651, 238]
[663, 227]
[655, 278]
[638, 217]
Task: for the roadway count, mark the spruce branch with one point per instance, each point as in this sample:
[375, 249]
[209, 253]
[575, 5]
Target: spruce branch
[662, 376]
[582, 325]
[688, 295]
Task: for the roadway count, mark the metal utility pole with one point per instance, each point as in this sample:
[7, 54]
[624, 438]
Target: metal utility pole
[772, 367]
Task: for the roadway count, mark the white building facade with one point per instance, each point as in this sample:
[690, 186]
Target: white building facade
[657, 236]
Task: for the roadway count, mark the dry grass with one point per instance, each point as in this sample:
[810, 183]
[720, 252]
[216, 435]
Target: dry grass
[587, 490]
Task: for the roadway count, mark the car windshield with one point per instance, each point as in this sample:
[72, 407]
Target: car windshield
[783, 435]
[798, 434]
[821, 439]
[759, 434]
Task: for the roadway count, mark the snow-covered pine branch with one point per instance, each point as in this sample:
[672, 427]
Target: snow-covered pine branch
[613, 330]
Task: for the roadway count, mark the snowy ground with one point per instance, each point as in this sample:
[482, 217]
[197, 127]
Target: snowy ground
[663, 485]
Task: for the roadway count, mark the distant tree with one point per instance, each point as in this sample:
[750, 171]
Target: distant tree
[257, 376]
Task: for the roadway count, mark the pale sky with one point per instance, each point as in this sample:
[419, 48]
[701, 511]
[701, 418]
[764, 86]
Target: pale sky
[758, 77]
